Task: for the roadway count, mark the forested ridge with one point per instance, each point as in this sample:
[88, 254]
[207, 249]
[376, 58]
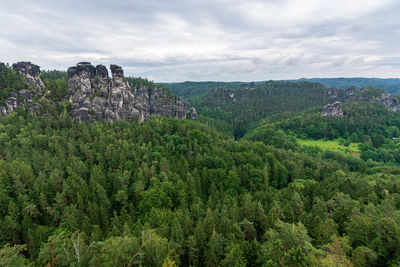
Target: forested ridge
[233, 111]
[193, 89]
[171, 192]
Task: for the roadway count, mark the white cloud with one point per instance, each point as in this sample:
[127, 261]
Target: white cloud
[207, 40]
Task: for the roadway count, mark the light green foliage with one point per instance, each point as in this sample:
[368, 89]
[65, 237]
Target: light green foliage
[12, 256]
[331, 145]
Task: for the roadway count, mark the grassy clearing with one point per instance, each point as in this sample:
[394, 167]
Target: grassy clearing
[332, 145]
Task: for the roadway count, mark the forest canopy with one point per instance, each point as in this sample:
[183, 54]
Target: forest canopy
[178, 192]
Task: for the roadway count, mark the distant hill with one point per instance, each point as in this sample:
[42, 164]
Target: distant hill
[193, 89]
[234, 110]
[390, 85]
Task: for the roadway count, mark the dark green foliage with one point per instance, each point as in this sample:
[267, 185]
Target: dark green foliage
[240, 108]
[10, 82]
[170, 191]
[371, 124]
[193, 89]
[53, 75]
[136, 82]
[390, 85]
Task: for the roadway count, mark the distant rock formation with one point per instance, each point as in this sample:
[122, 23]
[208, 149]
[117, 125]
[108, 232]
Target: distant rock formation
[94, 96]
[389, 101]
[248, 86]
[24, 98]
[351, 91]
[334, 92]
[31, 73]
[334, 109]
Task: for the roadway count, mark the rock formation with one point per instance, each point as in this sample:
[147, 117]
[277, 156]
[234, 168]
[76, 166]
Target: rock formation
[31, 73]
[334, 109]
[351, 91]
[24, 98]
[94, 96]
[389, 101]
[248, 86]
[333, 92]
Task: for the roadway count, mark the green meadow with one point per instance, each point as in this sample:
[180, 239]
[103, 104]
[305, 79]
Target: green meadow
[331, 145]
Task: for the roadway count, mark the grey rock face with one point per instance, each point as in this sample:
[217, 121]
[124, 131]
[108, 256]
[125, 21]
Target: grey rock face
[334, 109]
[164, 104]
[25, 98]
[96, 97]
[31, 72]
[10, 105]
[389, 101]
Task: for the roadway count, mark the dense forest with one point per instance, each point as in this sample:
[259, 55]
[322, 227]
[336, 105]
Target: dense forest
[390, 85]
[178, 192]
[234, 188]
[233, 111]
[193, 89]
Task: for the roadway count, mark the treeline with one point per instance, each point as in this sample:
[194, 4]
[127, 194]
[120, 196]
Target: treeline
[179, 193]
[390, 85]
[194, 89]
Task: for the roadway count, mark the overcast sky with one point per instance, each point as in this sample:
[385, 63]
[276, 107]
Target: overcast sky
[198, 40]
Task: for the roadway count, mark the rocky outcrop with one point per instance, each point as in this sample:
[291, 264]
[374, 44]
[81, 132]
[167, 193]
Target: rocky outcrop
[163, 103]
[31, 73]
[10, 105]
[335, 93]
[351, 91]
[24, 98]
[94, 96]
[248, 86]
[334, 109]
[389, 101]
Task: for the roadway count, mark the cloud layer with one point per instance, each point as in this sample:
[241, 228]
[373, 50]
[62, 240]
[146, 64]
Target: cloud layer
[207, 40]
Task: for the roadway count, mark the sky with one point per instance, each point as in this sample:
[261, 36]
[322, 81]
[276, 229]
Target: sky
[204, 40]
